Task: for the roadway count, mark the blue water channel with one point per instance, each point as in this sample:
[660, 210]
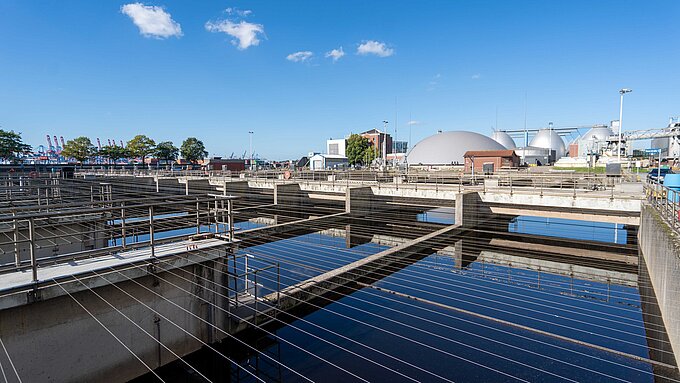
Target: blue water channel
[442, 319]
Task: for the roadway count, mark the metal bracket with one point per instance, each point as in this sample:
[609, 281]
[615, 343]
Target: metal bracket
[34, 295]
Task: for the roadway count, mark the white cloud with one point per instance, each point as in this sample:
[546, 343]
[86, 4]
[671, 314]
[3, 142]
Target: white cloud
[299, 56]
[152, 21]
[413, 122]
[245, 34]
[238, 12]
[434, 83]
[372, 47]
[336, 54]
[476, 76]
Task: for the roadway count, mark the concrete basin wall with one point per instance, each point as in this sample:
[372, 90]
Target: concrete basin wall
[660, 247]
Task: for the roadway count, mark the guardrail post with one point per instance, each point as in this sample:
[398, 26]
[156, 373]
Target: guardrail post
[216, 215]
[17, 254]
[31, 248]
[198, 217]
[123, 240]
[153, 250]
[230, 218]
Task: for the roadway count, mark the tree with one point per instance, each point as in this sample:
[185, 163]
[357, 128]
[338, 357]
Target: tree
[141, 146]
[166, 151]
[11, 145]
[80, 148]
[114, 153]
[193, 149]
[359, 150]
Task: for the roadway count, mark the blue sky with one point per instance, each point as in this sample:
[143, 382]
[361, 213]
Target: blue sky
[76, 68]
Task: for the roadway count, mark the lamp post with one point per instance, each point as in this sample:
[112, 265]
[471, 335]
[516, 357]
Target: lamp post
[618, 148]
[250, 136]
[384, 144]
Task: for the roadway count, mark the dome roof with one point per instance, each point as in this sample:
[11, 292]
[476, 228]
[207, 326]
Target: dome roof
[449, 147]
[504, 139]
[598, 133]
[549, 139]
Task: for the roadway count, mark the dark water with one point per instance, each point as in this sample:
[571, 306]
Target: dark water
[453, 315]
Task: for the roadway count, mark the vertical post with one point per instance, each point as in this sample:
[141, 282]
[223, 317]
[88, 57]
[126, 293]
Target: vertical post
[31, 239]
[198, 217]
[216, 215]
[186, 186]
[122, 224]
[157, 188]
[153, 250]
[17, 254]
[230, 218]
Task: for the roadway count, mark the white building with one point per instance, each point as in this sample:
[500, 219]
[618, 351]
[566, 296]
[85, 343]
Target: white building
[328, 162]
[336, 147]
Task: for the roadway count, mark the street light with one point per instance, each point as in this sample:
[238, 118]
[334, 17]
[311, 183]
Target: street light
[618, 148]
[250, 135]
[384, 143]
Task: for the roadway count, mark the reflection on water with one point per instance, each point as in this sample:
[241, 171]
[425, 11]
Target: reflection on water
[445, 215]
[571, 229]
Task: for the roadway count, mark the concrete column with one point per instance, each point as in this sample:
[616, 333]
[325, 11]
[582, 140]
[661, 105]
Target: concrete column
[471, 210]
[360, 200]
[288, 194]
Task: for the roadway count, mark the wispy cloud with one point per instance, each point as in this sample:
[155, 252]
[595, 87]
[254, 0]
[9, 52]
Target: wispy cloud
[434, 82]
[152, 21]
[335, 54]
[413, 122]
[372, 47]
[238, 12]
[299, 57]
[476, 76]
[244, 33]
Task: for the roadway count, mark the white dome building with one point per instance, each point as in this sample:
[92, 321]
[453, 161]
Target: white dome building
[504, 139]
[549, 139]
[593, 140]
[448, 148]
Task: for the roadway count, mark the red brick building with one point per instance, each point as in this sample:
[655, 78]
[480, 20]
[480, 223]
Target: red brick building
[493, 159]
[376, 138]
[219, 163]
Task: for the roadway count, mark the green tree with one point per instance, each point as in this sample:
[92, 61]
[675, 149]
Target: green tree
[359, 150]
[166, 151]
[80, 149]
[193, 149]
[11, 145]
[114, 153]
[141, 146]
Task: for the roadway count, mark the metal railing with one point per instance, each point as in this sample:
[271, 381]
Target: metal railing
[666, 201]
[32, 239]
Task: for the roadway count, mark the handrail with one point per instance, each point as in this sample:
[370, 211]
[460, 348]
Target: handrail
[666, 201]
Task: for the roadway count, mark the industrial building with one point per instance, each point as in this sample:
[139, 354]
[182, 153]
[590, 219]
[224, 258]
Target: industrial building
[320, 161]
[447, 149]
[489, 161]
